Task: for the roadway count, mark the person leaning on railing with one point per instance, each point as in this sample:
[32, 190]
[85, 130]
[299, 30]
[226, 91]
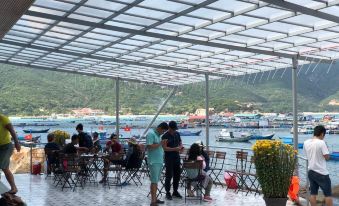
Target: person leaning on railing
[317, 153]
[6, 149]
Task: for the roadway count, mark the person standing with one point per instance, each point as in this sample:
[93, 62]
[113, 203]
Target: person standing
[85, 140]
[155, 158]
[317, 153]
[172, 159]
[6, 150]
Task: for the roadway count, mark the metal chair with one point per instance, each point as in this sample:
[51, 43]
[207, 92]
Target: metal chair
[211, 155]
[251, 178]
[114, 168]
[132, 169]
[71, 174]
[51, 156]
[193, 167]
[218, 167]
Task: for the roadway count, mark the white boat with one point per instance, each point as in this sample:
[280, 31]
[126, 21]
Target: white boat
[227, 136]
[307, 129]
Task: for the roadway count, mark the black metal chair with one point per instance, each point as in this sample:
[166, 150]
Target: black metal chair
[251, 179]
[193, 167]
[51, 156]
[133, 169]
[71, 174]
[217, 167]
[114, 168]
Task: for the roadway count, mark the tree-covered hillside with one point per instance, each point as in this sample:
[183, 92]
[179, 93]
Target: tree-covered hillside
[34, 92]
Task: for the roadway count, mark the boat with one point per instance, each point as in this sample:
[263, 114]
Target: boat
[29, 138]
[260, 136]
[334, 156]
[226, 136]
[35, 131]
[289, 141]
[308, 129]
[189, 133]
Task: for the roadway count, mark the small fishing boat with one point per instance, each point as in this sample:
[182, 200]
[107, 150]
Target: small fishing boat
[189, 133]
[261, 137]
[289, 141]
[35, 130]
[334, 156]
[226, 136]
[29, 138]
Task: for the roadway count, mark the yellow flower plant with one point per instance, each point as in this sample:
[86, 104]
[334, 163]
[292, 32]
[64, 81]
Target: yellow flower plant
[60, 137]
[275, 163]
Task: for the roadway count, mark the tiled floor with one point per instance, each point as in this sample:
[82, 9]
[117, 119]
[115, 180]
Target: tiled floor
[36, 191]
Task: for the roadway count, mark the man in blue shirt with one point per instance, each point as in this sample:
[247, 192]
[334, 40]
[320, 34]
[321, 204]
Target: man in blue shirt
[155, 158]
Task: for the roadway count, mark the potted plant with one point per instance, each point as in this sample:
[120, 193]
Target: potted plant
[275, 163]
[60, 137]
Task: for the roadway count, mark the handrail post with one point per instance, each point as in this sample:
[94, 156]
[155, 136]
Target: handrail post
[307, 185]
[31, 160]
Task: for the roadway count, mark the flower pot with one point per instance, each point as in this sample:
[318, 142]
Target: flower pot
[276, 201]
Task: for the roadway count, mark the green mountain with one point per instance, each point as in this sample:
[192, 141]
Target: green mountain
[34, 92]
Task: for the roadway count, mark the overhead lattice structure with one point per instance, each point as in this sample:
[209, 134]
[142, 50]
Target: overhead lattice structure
[172, 42]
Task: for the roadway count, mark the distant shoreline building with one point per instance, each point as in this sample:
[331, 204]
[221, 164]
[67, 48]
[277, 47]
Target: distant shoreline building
[87, 112]
[333, 102]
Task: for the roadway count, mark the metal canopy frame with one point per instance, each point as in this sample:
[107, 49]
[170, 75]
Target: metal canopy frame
[172, 42]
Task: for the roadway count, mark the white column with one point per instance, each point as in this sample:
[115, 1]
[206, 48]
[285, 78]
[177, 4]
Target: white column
[207, 121]
[295, 106]
[117, 107]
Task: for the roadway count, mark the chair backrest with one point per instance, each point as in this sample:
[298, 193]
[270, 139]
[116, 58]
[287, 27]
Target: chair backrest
[50, 152]
[251, 168]
[192, 164]
[219, 159]
[192, 169]
[70, 162]
[241, 158]
[210, 153]
[220, 155]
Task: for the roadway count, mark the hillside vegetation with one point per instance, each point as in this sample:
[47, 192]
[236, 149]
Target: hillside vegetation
[35, 92]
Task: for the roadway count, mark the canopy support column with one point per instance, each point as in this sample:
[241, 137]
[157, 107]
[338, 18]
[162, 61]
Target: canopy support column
[207, 121]
[158, 112]
[117, 106]
[295, 110]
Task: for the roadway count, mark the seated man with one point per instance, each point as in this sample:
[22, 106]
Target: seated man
[113, 146]
[49, 148]
[115, 152]
[96, 143]
[70, 147]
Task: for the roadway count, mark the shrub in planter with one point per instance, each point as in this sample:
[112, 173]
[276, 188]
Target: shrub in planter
[275, 163]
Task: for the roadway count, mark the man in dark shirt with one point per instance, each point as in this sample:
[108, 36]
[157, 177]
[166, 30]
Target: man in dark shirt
[85, 140]
[70, 147]
[51, 145]
[50, 149]
[172, 159]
